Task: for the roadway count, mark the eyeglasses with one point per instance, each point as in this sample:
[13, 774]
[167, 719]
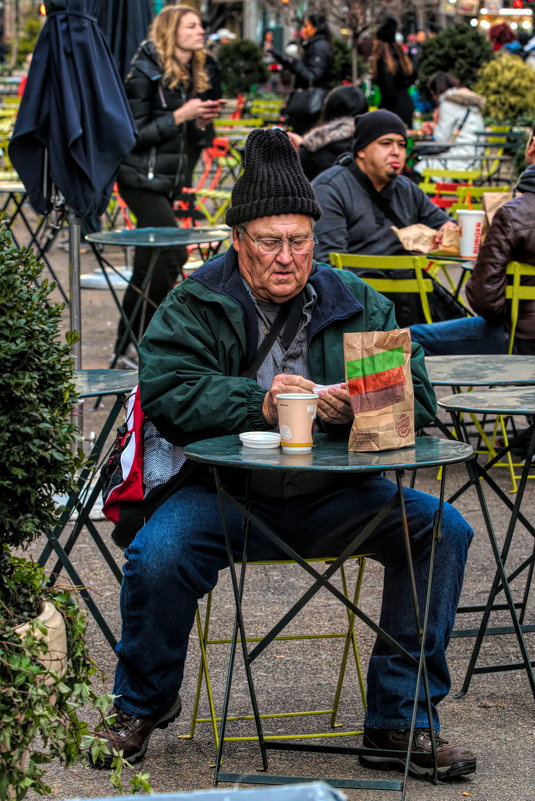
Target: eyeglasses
[270, 247]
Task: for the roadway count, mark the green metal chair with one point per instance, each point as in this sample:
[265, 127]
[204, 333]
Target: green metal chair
[207, 645]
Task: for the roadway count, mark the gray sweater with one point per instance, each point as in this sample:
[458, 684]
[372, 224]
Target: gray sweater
[352, 223]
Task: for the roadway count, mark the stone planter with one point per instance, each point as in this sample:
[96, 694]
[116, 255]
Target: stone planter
[56, 638]
[56, 656]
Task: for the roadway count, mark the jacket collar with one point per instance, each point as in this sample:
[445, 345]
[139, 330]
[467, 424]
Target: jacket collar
[147, 61]
[526, 182]
[334, 300]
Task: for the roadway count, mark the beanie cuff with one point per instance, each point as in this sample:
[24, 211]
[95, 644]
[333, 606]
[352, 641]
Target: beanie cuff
[375, 124]
[272, 206]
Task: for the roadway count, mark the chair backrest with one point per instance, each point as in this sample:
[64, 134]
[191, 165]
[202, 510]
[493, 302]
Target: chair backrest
[471, 197]
[516, 291]
[418, 285]
[268, 110]
[242, 122]
[467, 176]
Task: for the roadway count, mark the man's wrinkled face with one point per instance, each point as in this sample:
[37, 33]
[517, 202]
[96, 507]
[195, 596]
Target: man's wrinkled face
[279, 276]
[384, 158]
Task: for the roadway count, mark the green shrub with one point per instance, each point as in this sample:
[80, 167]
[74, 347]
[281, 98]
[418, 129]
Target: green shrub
[242, 67]
[36, 400]
[28, 38]
[458, 49]
[39, 718]
[508, 83]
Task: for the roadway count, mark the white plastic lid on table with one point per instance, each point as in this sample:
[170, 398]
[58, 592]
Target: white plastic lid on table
[260, 439]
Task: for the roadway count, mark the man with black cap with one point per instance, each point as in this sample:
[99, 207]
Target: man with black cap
[204, 372]
[364, 194]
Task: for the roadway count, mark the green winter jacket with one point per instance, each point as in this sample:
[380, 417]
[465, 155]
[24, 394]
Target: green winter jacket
[204, 335]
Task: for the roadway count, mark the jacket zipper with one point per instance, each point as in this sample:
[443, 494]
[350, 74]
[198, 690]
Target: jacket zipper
[152, 152]
[181, 156]
[152, 163]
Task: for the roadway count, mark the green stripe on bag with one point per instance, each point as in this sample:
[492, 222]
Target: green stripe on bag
[376, 363]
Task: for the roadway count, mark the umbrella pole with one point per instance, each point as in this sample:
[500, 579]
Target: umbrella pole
[75, 305]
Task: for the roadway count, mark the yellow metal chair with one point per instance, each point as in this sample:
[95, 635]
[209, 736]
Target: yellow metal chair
[484, 166]
[467, 176]
[213, 204]
[418, 285]
[471, 197]
[517, 291]
[347, 635]
[248, 122]
[268, 110]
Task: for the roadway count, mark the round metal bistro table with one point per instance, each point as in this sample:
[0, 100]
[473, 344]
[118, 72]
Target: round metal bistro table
[502, 401]
[206, 240]
[480, 371]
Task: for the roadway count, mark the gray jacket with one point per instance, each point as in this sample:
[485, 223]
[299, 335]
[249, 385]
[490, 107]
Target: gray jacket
[351, 223]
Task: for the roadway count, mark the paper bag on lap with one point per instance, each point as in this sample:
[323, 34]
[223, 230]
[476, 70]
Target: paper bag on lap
[379, 382]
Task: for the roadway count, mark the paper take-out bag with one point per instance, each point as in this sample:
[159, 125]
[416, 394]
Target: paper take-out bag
[492, 201]
[418, 238]
[379, 382]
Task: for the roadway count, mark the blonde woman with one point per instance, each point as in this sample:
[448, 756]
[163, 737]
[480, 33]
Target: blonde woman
[173, 90]
[392, 72]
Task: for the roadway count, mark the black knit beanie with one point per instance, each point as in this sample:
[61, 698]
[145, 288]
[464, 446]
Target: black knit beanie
[373, 125]
[387, 31]
[272, 181]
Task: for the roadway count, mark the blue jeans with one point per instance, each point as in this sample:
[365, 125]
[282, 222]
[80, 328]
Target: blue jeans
[175, 558]
[467, 335]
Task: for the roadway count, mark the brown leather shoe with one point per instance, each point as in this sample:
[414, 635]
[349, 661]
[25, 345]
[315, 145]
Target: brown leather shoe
[131, 734]
[452, 761]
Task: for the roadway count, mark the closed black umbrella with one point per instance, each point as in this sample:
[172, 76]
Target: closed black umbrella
[125, 24]
[74, 126]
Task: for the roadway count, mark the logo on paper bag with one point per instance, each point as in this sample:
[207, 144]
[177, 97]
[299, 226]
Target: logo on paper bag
[376, 381]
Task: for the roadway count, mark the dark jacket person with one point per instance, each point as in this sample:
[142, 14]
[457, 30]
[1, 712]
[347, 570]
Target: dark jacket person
[170, 91]
[199, 377]
[333, 135]
[314, 69]
[393, 72]
[510, 237]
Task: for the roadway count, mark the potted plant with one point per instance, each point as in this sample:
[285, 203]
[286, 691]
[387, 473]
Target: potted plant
[43, 684]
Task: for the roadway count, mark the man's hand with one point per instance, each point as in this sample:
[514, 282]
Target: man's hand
[334, 405]
[448, 226]
[283, 383]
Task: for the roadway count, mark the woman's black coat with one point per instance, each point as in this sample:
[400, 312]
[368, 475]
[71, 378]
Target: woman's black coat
[165, 153]
[314, 69]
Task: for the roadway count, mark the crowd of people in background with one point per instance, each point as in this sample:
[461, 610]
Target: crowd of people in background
[174, 89]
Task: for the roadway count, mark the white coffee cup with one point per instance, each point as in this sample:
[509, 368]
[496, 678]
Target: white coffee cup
[471, 226]
[297, 413]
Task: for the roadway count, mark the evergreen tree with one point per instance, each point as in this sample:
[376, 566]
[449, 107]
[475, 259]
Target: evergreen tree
[459, 49]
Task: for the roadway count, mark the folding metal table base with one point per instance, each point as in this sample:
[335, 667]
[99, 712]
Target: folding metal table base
[81, 500]
[321, 580]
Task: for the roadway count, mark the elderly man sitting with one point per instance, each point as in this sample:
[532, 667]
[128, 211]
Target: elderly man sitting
[193, 364]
